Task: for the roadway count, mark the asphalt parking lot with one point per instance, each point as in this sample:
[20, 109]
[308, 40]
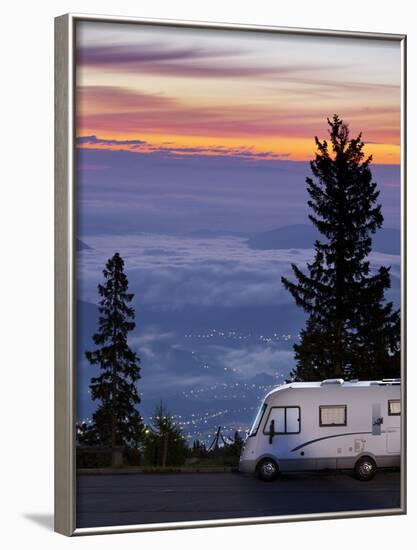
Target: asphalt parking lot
[116, 499]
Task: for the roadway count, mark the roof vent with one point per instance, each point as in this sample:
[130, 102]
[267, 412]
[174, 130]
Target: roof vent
[329, 381]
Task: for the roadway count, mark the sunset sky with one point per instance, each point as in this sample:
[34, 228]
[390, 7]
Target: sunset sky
[252, 95]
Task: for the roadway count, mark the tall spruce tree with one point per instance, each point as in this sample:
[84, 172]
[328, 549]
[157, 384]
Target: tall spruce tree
[351, 330]
[116, 422]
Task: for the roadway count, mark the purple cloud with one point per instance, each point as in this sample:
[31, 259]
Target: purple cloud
[187, 62]
[138, 145]
[108, 96]
[127, 54]
[94, 140]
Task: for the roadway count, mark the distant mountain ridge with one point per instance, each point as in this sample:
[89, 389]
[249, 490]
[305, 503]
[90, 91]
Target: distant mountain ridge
[385, 240]
[82, 246]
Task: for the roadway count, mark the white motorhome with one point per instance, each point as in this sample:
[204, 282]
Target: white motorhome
[331, 424]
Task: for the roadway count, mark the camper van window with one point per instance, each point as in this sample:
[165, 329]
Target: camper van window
[257, 421]
[394, 407]
[287, 420]
[332, 415]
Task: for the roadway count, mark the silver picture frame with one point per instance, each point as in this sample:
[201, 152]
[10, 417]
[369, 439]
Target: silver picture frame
[65, 281]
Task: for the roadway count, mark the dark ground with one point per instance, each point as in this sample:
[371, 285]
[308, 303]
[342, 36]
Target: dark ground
[106, 500]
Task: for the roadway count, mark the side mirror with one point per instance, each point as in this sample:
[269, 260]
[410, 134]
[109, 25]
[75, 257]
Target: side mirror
[271, 431]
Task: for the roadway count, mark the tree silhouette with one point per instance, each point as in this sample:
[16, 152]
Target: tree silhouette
[165, 444]
[116, 422]
[237, 444]
[351, 330]
[199, 449]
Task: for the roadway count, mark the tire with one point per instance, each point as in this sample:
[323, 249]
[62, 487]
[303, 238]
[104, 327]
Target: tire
[365, 468]
[267, 469]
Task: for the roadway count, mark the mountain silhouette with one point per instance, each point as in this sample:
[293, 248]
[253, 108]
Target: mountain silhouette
[82, 246]
[387, 241]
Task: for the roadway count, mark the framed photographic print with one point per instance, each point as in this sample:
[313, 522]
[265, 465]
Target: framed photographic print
[230, 288]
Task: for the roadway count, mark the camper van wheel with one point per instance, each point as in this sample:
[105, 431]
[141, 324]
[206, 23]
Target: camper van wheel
[267, 469]
[365, 468]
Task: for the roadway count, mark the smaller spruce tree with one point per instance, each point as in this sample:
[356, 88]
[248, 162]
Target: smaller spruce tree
[116, 422]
